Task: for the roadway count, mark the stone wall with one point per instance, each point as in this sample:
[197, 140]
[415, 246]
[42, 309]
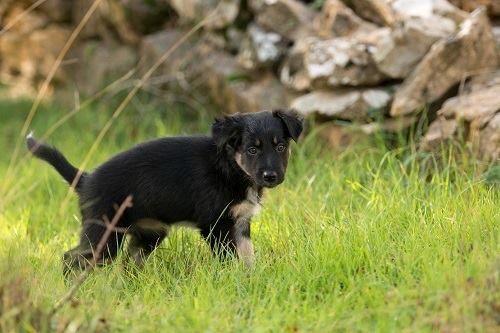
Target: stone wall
[379, 65]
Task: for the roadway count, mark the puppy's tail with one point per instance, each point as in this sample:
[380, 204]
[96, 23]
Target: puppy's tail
[55, 158]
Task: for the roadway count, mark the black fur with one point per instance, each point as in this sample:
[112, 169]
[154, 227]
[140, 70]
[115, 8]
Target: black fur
[209, 181]
[56, 159]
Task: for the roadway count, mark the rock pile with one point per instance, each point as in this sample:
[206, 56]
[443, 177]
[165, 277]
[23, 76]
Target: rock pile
[378, 64]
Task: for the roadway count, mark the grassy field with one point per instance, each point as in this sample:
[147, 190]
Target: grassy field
[362, 240]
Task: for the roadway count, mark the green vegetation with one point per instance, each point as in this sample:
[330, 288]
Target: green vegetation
[363, 240]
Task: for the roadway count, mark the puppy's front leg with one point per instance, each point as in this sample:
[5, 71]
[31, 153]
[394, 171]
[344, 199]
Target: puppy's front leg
[244, 246]
[231, 236]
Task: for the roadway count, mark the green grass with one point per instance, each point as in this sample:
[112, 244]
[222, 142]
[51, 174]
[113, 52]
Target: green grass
[363, 240]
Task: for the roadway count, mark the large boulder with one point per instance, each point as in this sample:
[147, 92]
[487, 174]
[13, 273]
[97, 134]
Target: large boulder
[449, 61]
[206, 68]
[473, 113]
[347, 104]
[477, 106]
[225, 12]
[401, 50]
[343, 61]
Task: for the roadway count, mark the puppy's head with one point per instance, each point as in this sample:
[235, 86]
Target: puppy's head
[259, 143]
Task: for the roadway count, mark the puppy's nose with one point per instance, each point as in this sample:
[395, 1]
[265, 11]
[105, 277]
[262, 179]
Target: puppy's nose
[270, 176]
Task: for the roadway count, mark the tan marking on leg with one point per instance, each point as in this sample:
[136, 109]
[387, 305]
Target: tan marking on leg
[244, 248]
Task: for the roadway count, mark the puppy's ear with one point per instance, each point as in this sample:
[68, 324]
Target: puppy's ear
[226, 132]
[293, 122]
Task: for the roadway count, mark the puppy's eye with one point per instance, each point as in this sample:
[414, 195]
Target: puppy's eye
[281, 147]
[252, 150]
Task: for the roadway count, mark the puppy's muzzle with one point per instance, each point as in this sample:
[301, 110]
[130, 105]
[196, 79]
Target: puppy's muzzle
[271, 178]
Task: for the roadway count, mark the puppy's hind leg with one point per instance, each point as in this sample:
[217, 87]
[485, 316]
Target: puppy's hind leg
[80, 257]
[145, 237]
[221, 240]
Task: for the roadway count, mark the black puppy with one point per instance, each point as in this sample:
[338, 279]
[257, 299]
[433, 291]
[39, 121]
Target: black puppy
[212, 182]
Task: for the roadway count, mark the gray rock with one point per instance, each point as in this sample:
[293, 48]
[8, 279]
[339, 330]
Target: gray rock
[334, 62]
[474, 113]
[470, 50]
[400, 51]
[231, 88]
[476, 107]
[481, 81]
[261, 48]
[347, 104]
[293, 73]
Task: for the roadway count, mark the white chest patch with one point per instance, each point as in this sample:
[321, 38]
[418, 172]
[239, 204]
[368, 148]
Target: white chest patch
[248, 207]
